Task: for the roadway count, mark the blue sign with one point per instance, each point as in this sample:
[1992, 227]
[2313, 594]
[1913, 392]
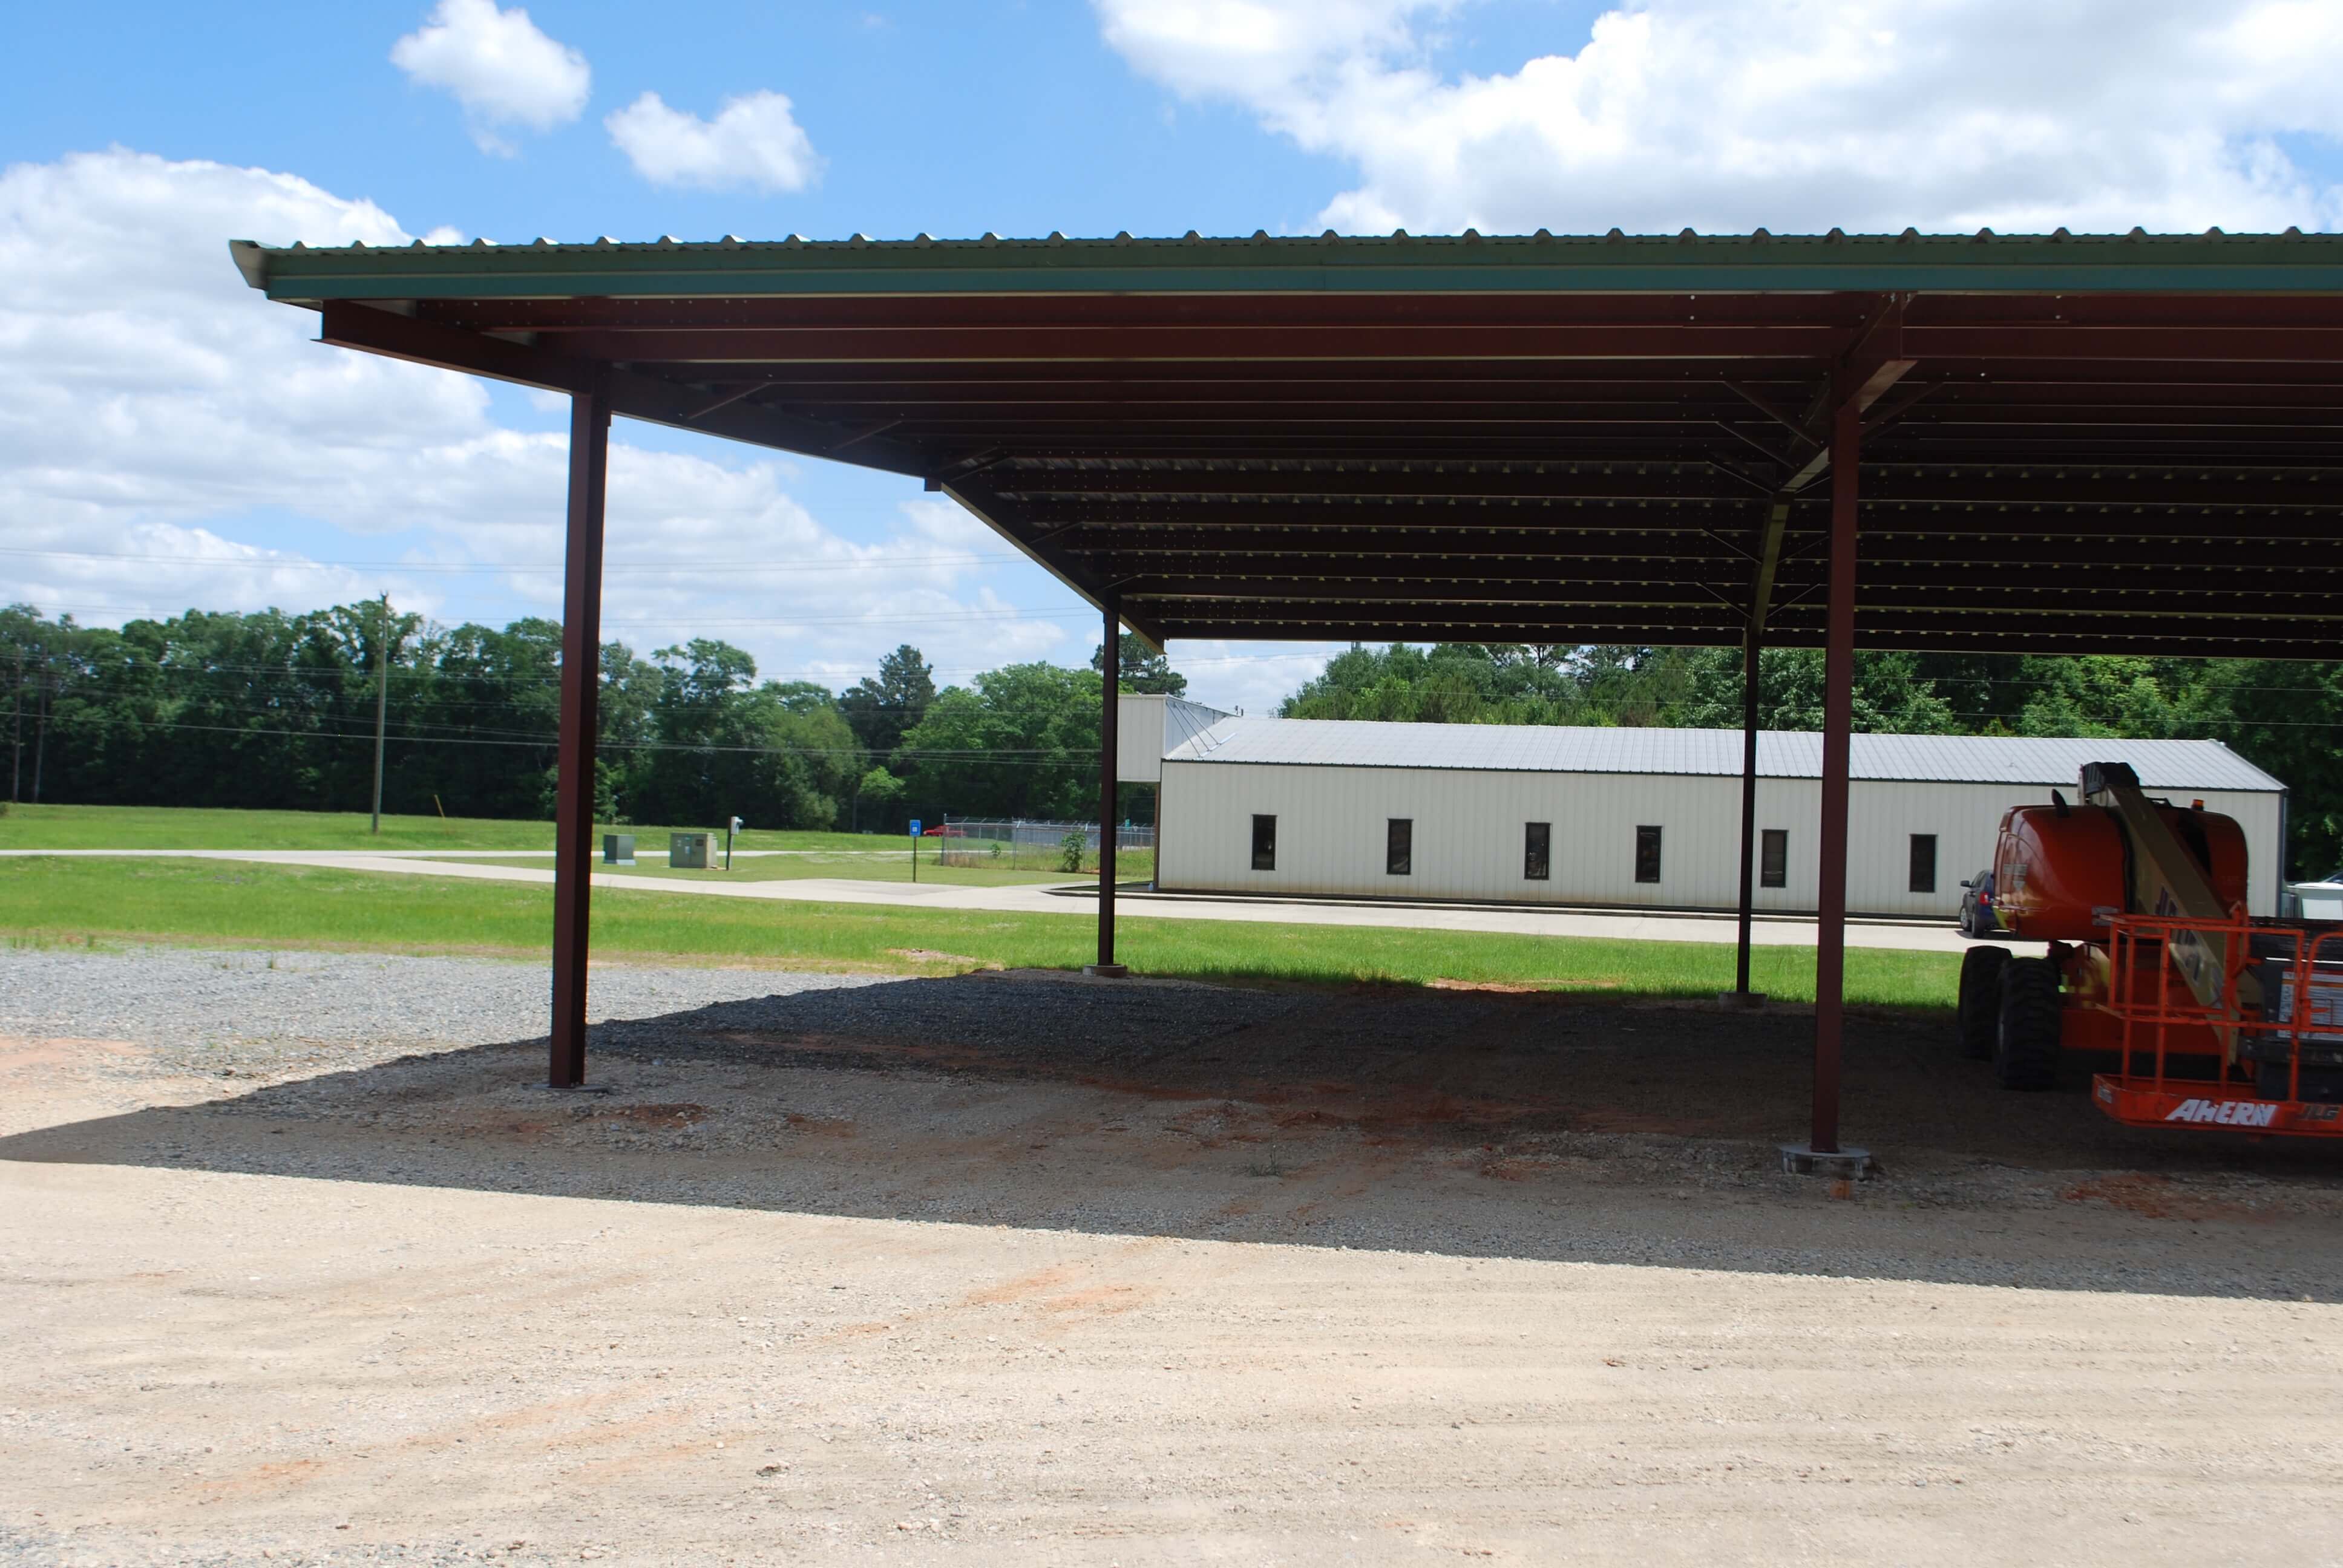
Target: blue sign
[915, 826]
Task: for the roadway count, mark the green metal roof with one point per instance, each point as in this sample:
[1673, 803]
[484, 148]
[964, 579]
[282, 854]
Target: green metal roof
[2292, 262]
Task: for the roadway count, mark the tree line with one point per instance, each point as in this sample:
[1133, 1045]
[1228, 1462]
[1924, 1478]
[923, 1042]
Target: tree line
[272, 710]
[277, 710]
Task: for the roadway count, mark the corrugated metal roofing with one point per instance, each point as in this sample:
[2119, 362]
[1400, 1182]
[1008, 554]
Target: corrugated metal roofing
[1542, 439]
[1325, 263]
[1781, 754]
[1185, 721]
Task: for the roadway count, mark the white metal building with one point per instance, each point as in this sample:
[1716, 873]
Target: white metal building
[1615, 817]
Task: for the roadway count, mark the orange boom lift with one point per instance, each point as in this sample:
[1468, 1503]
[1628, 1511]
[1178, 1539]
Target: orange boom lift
[2215, 1020]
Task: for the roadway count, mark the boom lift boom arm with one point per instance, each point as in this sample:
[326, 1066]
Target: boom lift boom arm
[2166, 879]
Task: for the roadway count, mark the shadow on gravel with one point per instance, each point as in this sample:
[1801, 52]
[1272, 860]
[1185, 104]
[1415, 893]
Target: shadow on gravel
[1541, 1126]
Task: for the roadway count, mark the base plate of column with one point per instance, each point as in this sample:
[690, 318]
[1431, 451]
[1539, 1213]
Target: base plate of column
[1107, 971]
[1805, 1160]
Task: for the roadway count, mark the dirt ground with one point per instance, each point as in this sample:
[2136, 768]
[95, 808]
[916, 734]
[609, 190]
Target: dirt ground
[1374, 1276]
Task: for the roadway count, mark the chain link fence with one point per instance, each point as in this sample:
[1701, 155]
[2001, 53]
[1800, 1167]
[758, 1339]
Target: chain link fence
[1021, 844]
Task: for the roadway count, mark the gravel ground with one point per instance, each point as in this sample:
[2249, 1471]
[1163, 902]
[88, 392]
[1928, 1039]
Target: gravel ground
[188, 996]
[1047, 1269]
[283, 1005]
[392, 1067]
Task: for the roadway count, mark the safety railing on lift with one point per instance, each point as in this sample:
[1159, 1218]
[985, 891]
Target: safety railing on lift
[2299, 974]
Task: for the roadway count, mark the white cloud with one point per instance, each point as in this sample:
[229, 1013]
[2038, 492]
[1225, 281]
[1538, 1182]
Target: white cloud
[156, 407]
[1796, 115]
[754, 143]
[498, 66]
[1248, 677]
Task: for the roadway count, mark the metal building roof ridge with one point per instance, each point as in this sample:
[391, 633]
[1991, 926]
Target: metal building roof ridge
[1124, 239]
[1883, 757]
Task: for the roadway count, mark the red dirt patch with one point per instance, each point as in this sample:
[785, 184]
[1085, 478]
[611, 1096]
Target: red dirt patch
[2154, 1198]
[931, 956]
[1025, 1287]
[19, 1052]
[666, 1117]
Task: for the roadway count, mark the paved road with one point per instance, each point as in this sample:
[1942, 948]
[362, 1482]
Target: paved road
[1066, 898]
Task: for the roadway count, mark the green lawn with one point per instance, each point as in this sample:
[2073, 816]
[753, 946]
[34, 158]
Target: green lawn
[27, 826]
[212, 902]
[892, 864]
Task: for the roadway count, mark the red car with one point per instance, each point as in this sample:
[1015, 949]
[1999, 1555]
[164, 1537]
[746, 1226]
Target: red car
[944, 830]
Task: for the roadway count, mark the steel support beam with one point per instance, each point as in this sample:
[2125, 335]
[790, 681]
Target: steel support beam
[1862, 375]
[1838, 715]
[581, 661]
[1011, 523]
[628, 392]
[1110, 715]
[942, 343]
[1765, 570]
[1749, 650]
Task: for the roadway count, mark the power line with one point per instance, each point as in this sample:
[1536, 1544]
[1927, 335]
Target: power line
[695, 622]
[1010, 757]
[490, 568]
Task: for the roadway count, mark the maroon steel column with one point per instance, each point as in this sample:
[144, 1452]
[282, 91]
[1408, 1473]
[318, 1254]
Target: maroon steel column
[1110, 712]
[1838, 717]
[581, 669]
[1749, 802]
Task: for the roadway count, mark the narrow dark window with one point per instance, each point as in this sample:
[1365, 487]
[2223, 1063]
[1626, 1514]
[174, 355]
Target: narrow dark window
[1264, 843]
[1399, 846]
[1537, 841]
[1773, 858]
[1647, 854]
[1924, 862]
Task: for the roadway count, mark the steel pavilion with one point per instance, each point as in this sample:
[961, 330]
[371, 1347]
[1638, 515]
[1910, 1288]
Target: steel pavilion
[2048, 444]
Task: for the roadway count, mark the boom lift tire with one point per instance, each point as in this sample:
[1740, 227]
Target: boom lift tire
[1980, 1003]
[2025, 1039]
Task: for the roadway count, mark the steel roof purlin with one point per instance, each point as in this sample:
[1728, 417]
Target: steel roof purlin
[2071, 443]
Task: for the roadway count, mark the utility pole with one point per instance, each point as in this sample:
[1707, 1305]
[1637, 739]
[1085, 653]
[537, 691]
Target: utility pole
[17, 750]
[41, 732]
[381, 706]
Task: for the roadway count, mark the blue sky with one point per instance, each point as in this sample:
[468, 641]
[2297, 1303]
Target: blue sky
[175, 442]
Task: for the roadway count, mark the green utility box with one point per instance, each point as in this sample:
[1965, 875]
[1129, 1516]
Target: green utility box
[687, 852]
[618, 849]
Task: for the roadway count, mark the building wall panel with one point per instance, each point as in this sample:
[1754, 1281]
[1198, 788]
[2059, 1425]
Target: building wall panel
[1469, 835]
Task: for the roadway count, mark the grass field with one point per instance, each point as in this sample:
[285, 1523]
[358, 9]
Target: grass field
[200, 828]
[892, 864]
[211, 903]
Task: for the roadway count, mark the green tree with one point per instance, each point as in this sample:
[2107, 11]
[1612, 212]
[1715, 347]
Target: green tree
[1140, 668]
[776, 755]
[2287, 719]
[1019, 741]
[1890, 696]
[877, 799]
[880, 710]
